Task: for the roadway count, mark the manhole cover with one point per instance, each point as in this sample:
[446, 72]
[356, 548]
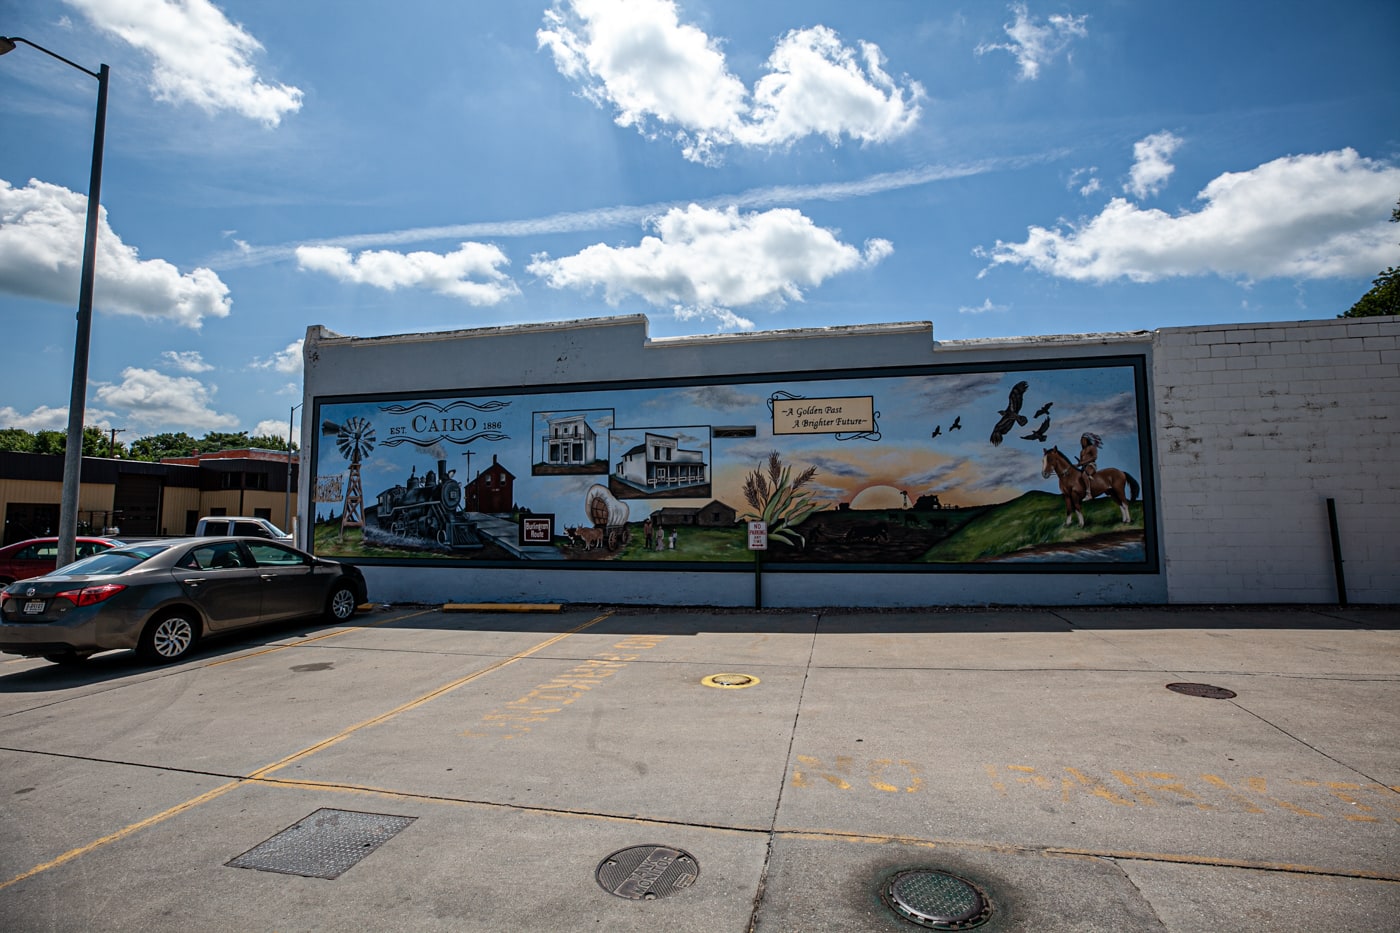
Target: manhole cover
[1203, 690]
[729, 681]
[936, 900]
[324, 844]
[644, 873]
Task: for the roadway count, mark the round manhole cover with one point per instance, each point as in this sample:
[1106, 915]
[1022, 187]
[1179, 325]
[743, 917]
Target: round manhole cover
[644, 873]
[936, 900]
[729, 681]
[1203, 690]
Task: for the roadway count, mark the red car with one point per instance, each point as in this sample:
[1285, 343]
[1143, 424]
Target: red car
[39, 556]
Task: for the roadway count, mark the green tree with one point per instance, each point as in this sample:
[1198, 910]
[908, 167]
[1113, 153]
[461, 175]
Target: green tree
[222, 440]
[1384, 296]
[269, 442]
[159, 446]
[16, 439]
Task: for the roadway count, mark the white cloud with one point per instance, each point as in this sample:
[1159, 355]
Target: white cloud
[1036, 44]
[983, 308]
[41, 243]
[286, 360]
[156, 402]
[457, 275]
[245, 255]
[1305, 217]
[1085, 181]
[703, 262]
[275, 428]
[198, 56]
[637, 56]
[1152, 164]
[727, 320]
[42, 418]
[186, 361]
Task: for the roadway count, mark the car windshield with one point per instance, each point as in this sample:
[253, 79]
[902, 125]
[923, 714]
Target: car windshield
[117, 560]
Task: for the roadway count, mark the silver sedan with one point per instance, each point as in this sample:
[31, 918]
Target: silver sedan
[160, 597]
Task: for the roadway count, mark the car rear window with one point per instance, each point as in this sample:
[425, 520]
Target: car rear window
[117, 560]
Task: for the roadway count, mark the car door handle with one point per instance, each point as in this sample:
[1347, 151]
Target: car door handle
[192, 582]
[268, 576]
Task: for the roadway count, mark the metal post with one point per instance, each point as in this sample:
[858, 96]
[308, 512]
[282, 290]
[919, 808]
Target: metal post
[758, 579]
[287, 511]
[73, 453]
[1337, 552]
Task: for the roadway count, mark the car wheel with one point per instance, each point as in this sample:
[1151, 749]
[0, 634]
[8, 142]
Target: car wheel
[342, 604]
[168, 638]
[67, 658]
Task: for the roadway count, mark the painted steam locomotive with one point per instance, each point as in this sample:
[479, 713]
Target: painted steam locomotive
[426, 509]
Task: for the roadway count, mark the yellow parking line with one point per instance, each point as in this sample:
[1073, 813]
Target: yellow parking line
[123, 833]
[176, 810]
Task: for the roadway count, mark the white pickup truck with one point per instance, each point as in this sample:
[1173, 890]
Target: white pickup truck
[217, 525]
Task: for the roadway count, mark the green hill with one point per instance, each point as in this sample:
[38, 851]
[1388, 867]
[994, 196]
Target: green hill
[1034, 519]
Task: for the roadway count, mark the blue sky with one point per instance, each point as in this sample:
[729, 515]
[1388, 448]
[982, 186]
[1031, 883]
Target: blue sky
[997, 169]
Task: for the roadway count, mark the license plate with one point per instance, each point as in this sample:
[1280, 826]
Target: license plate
[34, 607]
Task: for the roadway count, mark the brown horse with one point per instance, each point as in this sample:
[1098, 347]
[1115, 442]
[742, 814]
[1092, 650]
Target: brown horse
[1117, 485]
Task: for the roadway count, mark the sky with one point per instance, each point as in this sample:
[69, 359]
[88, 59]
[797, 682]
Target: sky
[999, 170]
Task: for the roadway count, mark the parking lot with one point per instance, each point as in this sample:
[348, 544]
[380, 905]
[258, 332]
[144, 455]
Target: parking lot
[797, 762]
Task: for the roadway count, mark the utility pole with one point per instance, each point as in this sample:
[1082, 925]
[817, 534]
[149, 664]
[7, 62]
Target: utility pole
[112, 445]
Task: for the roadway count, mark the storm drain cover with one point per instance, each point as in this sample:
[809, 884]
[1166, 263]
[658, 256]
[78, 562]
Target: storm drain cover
[730, 681]
[1203, 690]
[324, 844]
[936, 900]
[644, 873]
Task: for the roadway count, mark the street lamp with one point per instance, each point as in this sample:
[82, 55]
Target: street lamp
[287, 512]
[73, 454]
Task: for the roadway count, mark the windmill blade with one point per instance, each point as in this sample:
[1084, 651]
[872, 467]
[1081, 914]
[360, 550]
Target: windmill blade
[329, 427]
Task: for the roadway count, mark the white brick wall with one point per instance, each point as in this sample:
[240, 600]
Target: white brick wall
[1256, 428]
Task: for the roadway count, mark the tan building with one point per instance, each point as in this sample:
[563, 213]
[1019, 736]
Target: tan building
[145, 499]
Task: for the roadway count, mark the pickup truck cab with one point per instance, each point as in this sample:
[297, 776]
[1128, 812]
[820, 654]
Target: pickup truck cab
[240, 525]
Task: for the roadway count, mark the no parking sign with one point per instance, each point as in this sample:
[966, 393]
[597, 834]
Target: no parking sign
[758, 536]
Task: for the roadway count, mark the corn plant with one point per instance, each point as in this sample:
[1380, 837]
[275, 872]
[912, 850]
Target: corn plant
[775, 497]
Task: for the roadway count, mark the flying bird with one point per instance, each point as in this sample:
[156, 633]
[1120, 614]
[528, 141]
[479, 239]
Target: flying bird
[1039, 433]
[1011, 414]
[938, 430]
[956, 425]
[1043, 410]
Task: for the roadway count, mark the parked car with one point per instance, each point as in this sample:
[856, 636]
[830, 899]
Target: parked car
[241, 525]
[161, 596]
[40, 555]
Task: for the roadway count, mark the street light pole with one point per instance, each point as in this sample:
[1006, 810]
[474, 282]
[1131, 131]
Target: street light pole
[287, 512]
[73, 453]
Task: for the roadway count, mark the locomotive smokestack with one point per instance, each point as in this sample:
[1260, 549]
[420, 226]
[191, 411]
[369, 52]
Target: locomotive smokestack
[442, 470]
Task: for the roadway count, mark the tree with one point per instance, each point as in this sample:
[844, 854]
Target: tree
[160, 446]
[16, 439]
[1384, 296]
[269, 442]
[223, 440]
[95, 443]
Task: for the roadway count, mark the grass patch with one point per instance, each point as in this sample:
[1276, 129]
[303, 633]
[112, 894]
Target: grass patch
[1034, 519]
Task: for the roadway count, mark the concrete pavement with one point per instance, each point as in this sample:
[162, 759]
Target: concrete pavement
[1036, 753]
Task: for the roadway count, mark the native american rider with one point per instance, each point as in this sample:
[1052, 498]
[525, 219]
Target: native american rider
[1089, 445]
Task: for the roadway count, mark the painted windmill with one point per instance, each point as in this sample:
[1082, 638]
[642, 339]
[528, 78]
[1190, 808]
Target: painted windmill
[355, 440]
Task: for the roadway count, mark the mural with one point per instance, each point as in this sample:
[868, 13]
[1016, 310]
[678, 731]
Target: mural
[1032, 468]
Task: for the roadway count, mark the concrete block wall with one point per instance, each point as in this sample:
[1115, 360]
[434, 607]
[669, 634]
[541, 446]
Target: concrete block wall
[1256, 427]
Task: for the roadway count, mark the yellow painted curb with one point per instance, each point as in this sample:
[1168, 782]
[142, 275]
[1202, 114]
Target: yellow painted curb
[502, 607]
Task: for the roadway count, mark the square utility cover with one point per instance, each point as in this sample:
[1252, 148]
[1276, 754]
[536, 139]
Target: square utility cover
[324, 844]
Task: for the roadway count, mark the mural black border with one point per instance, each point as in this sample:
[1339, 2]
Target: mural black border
[1150, 565]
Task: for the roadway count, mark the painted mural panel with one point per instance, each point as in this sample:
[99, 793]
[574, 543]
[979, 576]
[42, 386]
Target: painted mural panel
[1042, 466]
